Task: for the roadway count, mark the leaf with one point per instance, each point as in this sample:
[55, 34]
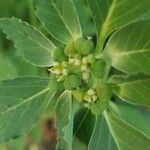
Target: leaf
[111, 15]
[17, 144]
[134, 89]
[77, 144]
[31, 43]
[23, 67]
[7, 65]
[130, 53]
[132, 114]
[126, 136]
[60, 19]
[101, 138]
[84, 122]
[22, 102]
[85, 17]
[52, 104]
[64, 121]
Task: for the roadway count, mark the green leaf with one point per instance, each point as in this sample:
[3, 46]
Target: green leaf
[101, 138]
[84, 121]
[52, 104]
[125, 135]
[22, 102]
[110, 15]
[60, 19]
[134, 89]
[130, 53]
[77, 144]
[85, 17]
[17, 144]
[132, 114]
[31, 43]
[64, 121]
[8, 69]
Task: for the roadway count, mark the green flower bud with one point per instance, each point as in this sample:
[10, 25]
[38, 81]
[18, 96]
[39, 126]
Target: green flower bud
[98, 68]
[84, 46]
[91, 58]
[54, 85]
[59, 55]
[70, 50]
[72, 81]
[78, 94]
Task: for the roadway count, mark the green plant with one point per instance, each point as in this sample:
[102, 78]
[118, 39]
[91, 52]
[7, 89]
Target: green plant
[112, 58]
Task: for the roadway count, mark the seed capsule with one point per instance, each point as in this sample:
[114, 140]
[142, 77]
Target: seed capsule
[70, 50]
[72, 82]
[98, 68]
[59, 55]
[84, 46]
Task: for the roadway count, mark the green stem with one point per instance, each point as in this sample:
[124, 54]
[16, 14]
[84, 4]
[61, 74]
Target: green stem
[106, 76]
[99, 46]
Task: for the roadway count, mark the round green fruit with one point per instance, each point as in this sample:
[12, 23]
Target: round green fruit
[72, 82]
[59, 55]
[70, 50]
[98, 68]
[84, 46]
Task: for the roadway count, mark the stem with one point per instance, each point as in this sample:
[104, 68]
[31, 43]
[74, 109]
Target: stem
[99, 45]
[98, 48]
[107, 71]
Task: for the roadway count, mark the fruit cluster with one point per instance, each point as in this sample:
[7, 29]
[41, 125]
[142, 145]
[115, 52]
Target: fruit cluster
[76, 68]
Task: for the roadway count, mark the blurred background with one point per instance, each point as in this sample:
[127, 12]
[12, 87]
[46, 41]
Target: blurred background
[43, 135]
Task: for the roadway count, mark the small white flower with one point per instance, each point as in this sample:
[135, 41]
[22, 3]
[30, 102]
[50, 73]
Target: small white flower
[91, 92]
[64, 63]
[71, 60]
[84, 60]
[65, 72]
[85, 75]
[61, 78]
[89, 38]
[87, 98]
[77, 62]
[94, 98]
[55, 63]
[57, 72]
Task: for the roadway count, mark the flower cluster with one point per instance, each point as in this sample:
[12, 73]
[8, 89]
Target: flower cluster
[73, 67]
